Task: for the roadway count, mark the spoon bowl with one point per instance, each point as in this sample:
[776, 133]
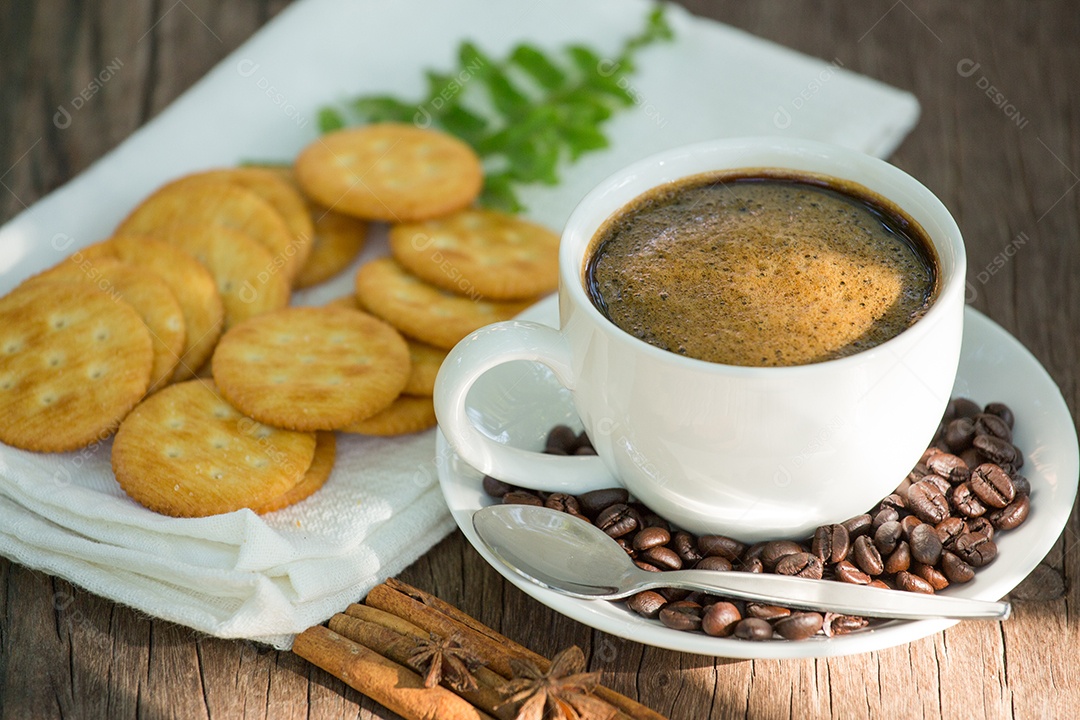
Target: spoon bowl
[569, 556]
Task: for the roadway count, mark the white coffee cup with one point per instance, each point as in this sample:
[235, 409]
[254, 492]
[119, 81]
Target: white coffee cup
[751, 452]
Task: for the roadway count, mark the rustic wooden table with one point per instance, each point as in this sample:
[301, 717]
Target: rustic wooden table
[997, 142]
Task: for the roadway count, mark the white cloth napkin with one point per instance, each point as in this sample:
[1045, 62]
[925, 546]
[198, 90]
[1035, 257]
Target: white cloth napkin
[266, 578]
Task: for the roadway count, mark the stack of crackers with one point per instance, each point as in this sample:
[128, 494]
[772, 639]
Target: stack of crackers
[176, 333]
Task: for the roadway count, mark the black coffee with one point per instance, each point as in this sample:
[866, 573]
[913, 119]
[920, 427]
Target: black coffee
[762, 268]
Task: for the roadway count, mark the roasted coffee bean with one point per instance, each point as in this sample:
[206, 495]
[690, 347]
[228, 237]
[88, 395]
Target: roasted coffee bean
[647, 604]
[1002, 411]
[799, 626]
[647, 567]
[585, 450]
[715, 562]
[959, 433]
[650, 519]
[627, 547]
[702, 598]
[885, 515]
[989, 424]
[583, 440]
[720, 545]
[522, 497]
[949, 466]
[925, 544]
[775, 550]
[880, 583]
[908, 524]
[662, 557]
[915, 475]
[561, 438]
[753, 565]
[767, 612]
[496, 488]
[651, 537]
[972, 457]
[617, 520]
[965, 501]
[899, 559]
[681, 615]
[962, 407]
[1021, 484]
[913, 583]
[753, 629]
[866, 556]
[847, 572]
[800, 564]
[674, 594]
[858, 525]
[596, 500]
[930, 574]
[1012, 515]
[836, 624]
[927, 502]
[563, 502]
[949, 529]
[975, 549]
[955, 569]
[981, 526]
[939, 482]
[895, 500]
[1018, 461]
[720, 619]
[683, 543]
[995, 449]
[993, 485]
[831, 543]
[887, 536]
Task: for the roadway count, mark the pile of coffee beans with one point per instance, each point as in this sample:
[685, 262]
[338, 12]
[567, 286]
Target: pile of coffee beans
[935, 530]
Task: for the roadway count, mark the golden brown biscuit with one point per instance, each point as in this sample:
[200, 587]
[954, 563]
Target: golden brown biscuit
[423, 311]
[218, 203]
[73, 362]
[283, 195]
[311, 368]
[390, 171]
[190, 282]
[186, 452]
[143, 290]
[480, 253]
[407, 414]
[338, 241]
[426, 361]
[315, 477]
[239, 265]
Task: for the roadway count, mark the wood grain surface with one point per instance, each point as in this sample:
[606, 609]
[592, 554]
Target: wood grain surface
[1005, 161]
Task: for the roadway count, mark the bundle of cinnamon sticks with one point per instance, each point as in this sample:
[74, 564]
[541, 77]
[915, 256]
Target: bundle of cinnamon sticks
[424, 659]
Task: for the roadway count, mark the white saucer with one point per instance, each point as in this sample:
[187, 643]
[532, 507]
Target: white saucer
[517, 403]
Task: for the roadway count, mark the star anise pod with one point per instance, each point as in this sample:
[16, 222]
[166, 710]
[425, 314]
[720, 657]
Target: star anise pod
[564, 692]
[445, 658]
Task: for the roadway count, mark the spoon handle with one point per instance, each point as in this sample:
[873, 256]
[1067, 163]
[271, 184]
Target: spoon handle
[838, 597]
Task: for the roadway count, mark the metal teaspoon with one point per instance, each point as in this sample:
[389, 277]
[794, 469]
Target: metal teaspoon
[572, 557]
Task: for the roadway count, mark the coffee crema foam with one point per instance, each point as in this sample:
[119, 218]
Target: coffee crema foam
[761, 270]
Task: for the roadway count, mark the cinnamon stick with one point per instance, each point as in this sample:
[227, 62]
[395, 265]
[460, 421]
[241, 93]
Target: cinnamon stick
[395, 646]
[384, 681]
[438, 616]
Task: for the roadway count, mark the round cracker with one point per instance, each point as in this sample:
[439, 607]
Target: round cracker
[407, 414]
[242, 269]
[283, 195]
[200, 201]
[315, 477]
[190, 282]
[423, 311]
[349, 302]
[480, 252]
[390, 171]
[426, 361]
[311, 368]
[73, 362]
[186, 452]
[338, 240]
[143, 290]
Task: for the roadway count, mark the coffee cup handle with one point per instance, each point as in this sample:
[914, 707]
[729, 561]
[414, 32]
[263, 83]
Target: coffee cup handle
[472, 357]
